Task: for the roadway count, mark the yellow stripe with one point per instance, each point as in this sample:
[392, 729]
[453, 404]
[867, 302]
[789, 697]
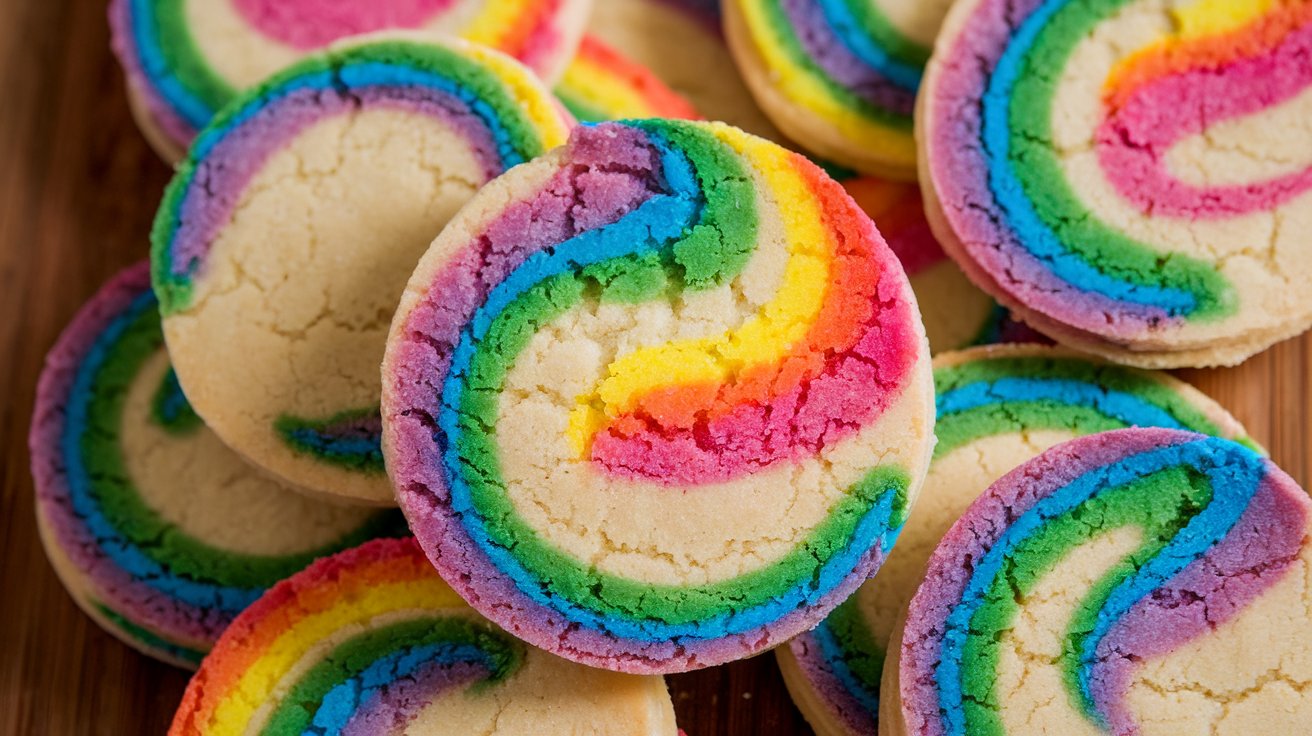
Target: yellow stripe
[763, 339]
[1216, 17]
[801, 86]
[535, 100]
[258, 684]
[604, 90]
[489, 26]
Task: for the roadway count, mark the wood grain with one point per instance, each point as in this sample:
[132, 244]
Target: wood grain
[78, 189]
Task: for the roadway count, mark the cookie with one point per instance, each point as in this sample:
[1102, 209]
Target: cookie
[1120, 173]
[600, 83]
[838, 76]
[186, 61]
[658, 400]
[285, 239]
[158, 531]
[680, 42]
[1135, 581]
[371, 641]
[998, 407]
[955, 313]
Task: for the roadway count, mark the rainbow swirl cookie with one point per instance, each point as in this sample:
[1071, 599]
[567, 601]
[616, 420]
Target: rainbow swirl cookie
[1132, 177]
[839, 76]
[186, 59]
[998, 407]
[159, 532]
[600, 83]
[659, 399]
[680, 42]
[286, 237]
[372, 642]
[1131, 582]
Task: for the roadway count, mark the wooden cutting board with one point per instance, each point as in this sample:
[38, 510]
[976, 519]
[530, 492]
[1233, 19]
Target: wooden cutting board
[78, 190]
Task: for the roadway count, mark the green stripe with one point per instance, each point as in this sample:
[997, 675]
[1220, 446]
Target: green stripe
[876, 25]
[183, 58]
[149, 639]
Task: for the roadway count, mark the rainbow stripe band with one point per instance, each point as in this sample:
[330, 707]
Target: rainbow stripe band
[183, 90]
[1045, 238]
[161, 587]
[1217, 521]
[678, 218]
[601, 84]
[1011, 391]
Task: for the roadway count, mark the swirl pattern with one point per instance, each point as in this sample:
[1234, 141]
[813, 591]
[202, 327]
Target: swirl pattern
[371, 642]
[1108, 569]
[293, 223]
[162, 534]
[997, 407]
[663, 320]
[185, 63]
[1092, 173]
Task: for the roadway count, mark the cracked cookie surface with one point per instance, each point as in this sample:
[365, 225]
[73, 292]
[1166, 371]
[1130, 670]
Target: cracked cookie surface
[658, 399]
[1133, 177]
[286, 238]
[159, 531]
[371, 642]
[186, 59]
[1139, 581]
[997, 407]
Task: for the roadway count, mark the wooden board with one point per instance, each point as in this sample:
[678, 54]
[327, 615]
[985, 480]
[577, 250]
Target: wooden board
[78, 189]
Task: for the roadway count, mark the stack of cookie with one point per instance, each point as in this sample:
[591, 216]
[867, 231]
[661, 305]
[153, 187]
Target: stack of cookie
[652, 389]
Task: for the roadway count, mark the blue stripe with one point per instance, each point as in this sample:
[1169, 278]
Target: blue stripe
[831, 650]
[1126, 407]
[191, 108]
[838, 16]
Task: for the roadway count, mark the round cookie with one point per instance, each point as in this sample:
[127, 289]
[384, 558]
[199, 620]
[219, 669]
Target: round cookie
[602, 84]
[839, 76]
[1133, 179]
[186, 59]
[158, 531]
[680, 42]
[1142, 581]
[659, 399]
[371, 641]
[285, 239]
[997, 407]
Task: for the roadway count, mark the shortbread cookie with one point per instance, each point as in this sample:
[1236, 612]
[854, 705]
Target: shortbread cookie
[839, 76]
[186, 59]
[659, 399]
[159, 532]
[371, 641]
[1142, 581]
[600, 83]
[1133, 177]
[997, 407]
[286, 238]
[680, 42]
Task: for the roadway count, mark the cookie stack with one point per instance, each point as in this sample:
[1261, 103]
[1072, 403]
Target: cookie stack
[653, 390]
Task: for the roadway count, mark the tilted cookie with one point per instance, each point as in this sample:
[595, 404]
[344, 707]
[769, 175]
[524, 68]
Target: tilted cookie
[600, 83]
[998, 407]
[659, 399]
[838, 76]
[186, 59]
[1134, 581]
[1132, 177]
[287, 236]
[371, 642]
[160, 532]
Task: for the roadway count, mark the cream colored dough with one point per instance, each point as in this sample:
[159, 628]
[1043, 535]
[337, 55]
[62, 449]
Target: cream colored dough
[954, 311]
[292, 313]
[919, 20]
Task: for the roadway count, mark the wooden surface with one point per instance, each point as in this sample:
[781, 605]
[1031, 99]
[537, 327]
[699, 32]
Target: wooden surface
[78, 189]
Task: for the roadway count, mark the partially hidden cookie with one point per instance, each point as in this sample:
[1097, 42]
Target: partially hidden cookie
[1141, 581]
[997, 406]
[371, 641]
[839, 76]
[1130, 177]
[285, 239]
[680, 42]
[158, 531]
[600, 83]
[186, 59]
[658, 400]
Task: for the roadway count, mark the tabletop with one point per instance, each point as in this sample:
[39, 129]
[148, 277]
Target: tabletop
[78, 190]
